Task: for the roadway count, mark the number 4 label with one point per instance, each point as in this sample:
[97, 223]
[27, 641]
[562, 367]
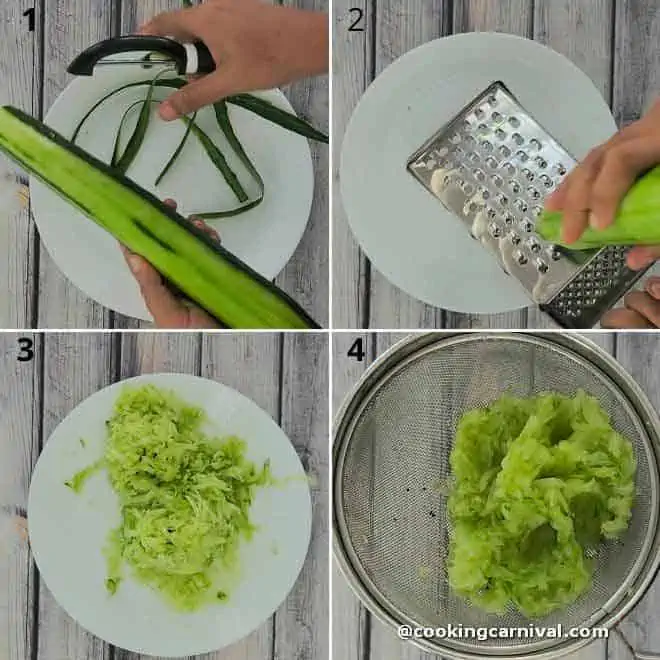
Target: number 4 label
[357, 350]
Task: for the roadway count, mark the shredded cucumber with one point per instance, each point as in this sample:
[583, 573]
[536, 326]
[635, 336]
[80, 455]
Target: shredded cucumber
[185, 498]
[536, 483]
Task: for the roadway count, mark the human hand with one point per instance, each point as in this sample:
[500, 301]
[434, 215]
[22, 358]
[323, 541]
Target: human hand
[592, 192]
[641, 311]
[167, 309]
[255, 46]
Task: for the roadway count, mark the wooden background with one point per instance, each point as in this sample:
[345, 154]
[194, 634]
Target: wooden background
[612, 41]
[357, 635]
[34, 294]
[284, 374]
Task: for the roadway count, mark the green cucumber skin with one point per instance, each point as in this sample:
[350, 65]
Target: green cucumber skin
[246, 278]
[637, 221]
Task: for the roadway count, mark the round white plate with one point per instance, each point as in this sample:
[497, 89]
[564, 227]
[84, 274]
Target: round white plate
[407, 234]
[265, 237]
[68, 530]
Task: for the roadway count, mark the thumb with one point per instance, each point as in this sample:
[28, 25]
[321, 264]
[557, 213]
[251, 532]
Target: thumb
[643, 256]
[164, 307]
[195, 95]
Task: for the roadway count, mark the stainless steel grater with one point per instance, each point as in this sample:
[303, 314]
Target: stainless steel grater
[492, 166]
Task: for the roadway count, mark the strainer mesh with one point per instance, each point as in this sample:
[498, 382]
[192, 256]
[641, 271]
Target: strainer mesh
[398, 454]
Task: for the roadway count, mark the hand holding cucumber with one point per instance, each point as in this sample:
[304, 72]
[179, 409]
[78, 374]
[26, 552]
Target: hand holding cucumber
[168, 310]
[590, 196]
[255, 46]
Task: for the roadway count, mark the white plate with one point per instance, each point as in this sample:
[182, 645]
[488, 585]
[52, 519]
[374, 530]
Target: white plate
[407, 234]
[265, 237]
[68, 530]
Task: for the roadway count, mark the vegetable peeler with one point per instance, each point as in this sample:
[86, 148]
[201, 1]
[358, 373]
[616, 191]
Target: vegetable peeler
[189, 59]
[492, 166]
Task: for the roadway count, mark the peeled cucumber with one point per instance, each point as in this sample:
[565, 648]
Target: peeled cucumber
[637, 221]
[212, 277]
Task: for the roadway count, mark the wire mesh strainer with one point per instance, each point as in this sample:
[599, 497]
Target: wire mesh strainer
[392, 444]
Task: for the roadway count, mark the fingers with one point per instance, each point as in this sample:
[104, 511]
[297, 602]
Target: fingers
[642, 257]
[576, 201]
[621, 166]
[199, 93]
[175, 24]
[200, 224]
[572, 196]
[645, 305]
[653, 287]
[166, 310]
[618, 319]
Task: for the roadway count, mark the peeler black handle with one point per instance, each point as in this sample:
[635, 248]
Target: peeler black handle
[190, 59]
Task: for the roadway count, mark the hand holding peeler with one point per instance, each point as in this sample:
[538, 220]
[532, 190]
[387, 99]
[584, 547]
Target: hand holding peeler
[189, 58]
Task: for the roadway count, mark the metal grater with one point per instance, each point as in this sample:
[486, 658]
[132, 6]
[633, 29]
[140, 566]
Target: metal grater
[492, 166]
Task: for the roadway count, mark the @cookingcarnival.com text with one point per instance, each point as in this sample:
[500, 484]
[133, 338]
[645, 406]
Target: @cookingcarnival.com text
[482, 634]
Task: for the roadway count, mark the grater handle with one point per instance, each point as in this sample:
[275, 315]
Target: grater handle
[643, 655]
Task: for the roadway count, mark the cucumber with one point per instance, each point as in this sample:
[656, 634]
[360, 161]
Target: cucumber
[636, 221]
[219, 282]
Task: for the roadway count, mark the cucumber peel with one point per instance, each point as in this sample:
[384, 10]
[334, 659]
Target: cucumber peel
[219, 282]
[637, 221]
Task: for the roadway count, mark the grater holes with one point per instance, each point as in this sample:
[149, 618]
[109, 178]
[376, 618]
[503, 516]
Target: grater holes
[541, 266]
[491, 214]
[479, 175]
[533, 193]
[560, 169]
[528, 174]
[508, 219]
[514, 121]
[508, 168]
[496, 116]
[527, 225]
[536, 211]
[486, 146]
[515, 186]
[514, 238]
[474, 157]
[542, 163]
[497, 180]
[494, 230]
[521, 205]
[491, 162]
[455, 138]
[501, 199]
[522, 156]
[534, 245]
[470, 207]
[504, 151]
[518, 139]
[535, 144]
[500, 134]
[521, 258]
[546, 180]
